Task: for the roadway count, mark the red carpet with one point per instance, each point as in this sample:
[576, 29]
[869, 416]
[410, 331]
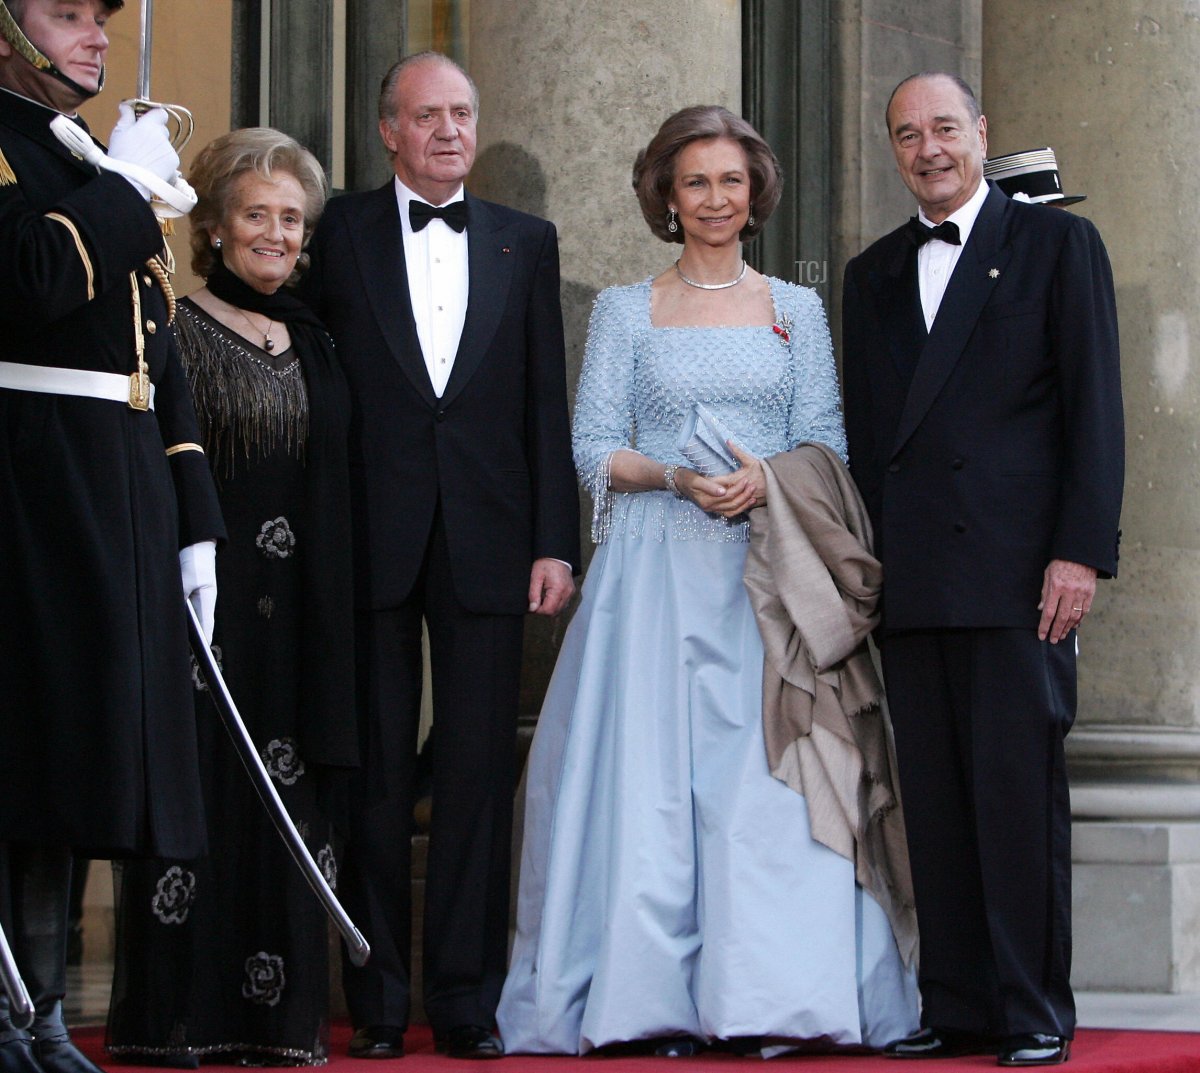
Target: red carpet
[1094, 1051]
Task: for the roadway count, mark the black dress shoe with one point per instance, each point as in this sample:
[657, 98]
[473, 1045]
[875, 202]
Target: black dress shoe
[742, 1046]
[470, 1041]
[939, 1043]
[377, 1041]
[16, 1056]
[676, 1047]
[1034, 1049]
[62, 1056]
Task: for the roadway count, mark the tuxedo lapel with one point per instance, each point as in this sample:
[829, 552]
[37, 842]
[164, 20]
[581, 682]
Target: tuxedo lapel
[899, 299]
[490, 267]
[379, 248]
[971, 284]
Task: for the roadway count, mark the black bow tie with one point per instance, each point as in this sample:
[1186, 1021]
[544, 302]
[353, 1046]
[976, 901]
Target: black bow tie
[455, 214]
[947, 231]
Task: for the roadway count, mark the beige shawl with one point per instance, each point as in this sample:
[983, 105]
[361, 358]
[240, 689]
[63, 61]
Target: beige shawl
[814, 586]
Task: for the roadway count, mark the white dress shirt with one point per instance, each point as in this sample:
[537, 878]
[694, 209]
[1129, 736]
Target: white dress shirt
[438, 284]
[936, 259]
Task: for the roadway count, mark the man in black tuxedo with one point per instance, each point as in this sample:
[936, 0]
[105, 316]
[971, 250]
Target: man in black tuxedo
[445, 311]
[983, 408]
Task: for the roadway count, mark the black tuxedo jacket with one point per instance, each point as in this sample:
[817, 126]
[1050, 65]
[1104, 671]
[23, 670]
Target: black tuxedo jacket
[494, 452]
[995, 442]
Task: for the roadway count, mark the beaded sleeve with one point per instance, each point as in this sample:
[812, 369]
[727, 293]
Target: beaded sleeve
[604, 404]
[816, 412]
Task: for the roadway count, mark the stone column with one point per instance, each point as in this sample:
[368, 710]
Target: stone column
[876, 44]
[569, 94]
[1113, 89]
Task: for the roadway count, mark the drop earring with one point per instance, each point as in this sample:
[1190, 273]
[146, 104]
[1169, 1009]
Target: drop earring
[672, 225]
[217, 243]
[750, 222]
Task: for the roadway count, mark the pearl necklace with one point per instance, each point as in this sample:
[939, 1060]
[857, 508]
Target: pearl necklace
[712, 286]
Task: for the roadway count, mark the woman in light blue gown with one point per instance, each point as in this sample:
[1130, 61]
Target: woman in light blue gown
[670, 891]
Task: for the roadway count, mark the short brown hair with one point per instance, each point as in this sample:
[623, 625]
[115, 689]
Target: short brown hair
[654, 169]
[261, 151]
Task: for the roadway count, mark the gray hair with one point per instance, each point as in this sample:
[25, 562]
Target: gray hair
[969, 98]
[387, 88]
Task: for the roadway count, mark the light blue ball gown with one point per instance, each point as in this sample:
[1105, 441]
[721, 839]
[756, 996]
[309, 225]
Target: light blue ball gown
[669, 884]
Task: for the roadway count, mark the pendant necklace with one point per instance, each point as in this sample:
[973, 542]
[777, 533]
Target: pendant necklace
[268, 344]
[712, 286]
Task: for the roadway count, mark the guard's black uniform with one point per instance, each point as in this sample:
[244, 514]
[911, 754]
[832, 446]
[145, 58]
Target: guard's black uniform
[97, 736]
[96, 705]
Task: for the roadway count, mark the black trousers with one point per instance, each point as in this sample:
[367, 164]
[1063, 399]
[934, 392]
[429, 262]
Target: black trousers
[35, 884]
[476, 667]
[980, 718]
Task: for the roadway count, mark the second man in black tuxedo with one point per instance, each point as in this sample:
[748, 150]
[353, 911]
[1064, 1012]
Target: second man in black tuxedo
[983, 412]
[445, 312]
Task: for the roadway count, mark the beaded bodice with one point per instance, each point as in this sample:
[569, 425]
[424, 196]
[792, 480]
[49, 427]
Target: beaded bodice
[773, 386]
[249, 403]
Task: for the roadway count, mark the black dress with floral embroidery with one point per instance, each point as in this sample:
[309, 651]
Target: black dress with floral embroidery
[228, 956]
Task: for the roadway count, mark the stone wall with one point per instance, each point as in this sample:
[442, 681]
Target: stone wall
[566, 103]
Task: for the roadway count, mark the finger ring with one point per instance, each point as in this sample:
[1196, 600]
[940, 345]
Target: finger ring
[1079, 609]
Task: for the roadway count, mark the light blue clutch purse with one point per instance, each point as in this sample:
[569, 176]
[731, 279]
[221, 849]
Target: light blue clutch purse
[702, 441]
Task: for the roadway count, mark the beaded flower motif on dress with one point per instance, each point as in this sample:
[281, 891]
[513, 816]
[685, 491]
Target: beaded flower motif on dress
[275, 539]
[265, 979]
[282, 760]
[173, 895]
[198, 682]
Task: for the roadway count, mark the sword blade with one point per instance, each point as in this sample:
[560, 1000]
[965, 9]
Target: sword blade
[20, 1007]
[145, 49]
[356, 945]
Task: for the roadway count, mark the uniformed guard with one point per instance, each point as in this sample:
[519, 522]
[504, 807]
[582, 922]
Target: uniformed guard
[105, 498]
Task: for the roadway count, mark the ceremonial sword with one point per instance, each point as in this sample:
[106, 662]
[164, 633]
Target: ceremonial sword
[356, 945]
[145, 49]
[20, 1008]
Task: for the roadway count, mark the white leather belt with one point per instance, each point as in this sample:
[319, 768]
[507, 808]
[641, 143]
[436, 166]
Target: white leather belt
[54, 381]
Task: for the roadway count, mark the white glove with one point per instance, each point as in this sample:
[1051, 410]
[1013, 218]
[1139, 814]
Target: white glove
[198, 563]
[144, 142]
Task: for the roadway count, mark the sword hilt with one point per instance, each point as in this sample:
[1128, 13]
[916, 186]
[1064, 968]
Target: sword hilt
[180, 127]
[180, 122]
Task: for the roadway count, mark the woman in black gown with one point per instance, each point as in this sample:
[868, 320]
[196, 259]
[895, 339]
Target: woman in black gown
[228, 956]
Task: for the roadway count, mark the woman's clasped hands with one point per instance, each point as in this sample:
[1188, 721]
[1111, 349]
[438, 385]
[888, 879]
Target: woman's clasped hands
[730, 494]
